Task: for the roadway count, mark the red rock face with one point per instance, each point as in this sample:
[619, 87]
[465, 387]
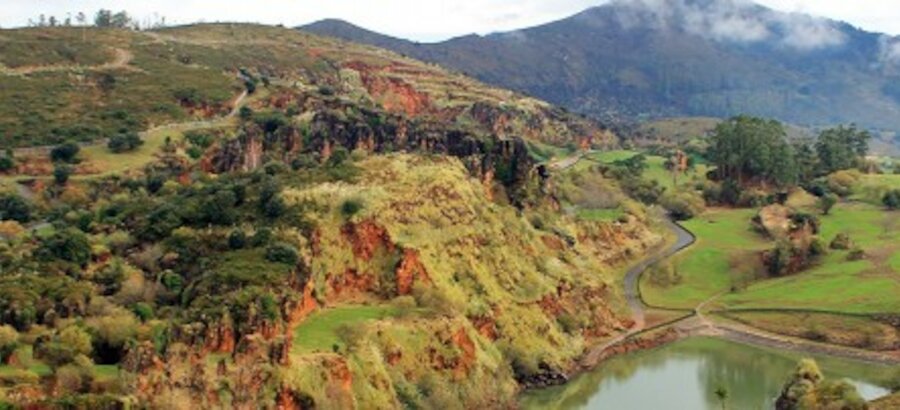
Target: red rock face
[395, 95]
[307, 305]
[408, 271]
[350, 283]
[462, 340]
[366, 238]
[486, 327]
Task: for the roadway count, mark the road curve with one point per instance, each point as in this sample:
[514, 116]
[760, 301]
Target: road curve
[683, 239]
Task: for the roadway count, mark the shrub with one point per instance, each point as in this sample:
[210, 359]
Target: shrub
[143, 311]
[68, 244]
[9, 341]
[6, 163]
[684, 205]
[61, 173]
[826, 202]
[841, 241]
[351, 207]
[282, 253]
[237, 239]
[128, 141]
[261, 237]
[14, 207]
[856, 254]
[194, 152]
[338, 156]
[891, 199]
[842, 182]
[65, 152]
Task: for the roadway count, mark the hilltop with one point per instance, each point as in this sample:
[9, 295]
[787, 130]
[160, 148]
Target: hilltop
[87, 84]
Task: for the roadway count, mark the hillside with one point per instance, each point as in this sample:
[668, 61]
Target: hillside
[302, 222]
[635, 60]
[115, 81]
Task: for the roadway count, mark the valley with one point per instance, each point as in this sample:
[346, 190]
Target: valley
[235, 215]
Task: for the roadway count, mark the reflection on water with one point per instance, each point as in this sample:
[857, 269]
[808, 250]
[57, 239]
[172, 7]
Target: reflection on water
[685, 375]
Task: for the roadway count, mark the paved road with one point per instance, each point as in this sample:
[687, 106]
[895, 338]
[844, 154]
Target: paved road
[683, 239]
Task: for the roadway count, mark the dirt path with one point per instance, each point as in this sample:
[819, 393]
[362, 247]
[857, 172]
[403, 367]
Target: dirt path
[121, 60]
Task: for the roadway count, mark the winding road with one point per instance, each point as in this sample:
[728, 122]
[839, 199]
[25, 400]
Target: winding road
[698, 324]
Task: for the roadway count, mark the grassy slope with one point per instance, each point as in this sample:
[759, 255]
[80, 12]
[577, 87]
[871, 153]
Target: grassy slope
[714, 263]
[319, 331]
[655, 171]
[866, 286]
[482, 260]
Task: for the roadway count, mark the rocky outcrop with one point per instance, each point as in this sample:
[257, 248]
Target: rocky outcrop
[366, 238]
[409, 270]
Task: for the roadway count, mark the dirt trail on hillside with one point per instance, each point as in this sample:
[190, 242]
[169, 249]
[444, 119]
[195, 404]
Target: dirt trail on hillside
[121, 60]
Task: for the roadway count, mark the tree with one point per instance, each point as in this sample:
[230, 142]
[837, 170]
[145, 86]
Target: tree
[103, 18]
[841, 148]
[61, 173]
[65, 152]
[81, 18]
[68, 244]
[128, 141]
[745, 148]
[14, 207]
[282, 253]
[826, 202]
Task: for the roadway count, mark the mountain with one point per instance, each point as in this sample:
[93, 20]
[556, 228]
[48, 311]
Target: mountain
[663, 58]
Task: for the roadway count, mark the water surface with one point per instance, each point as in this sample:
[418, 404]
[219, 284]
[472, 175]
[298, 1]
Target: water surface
[685, 375]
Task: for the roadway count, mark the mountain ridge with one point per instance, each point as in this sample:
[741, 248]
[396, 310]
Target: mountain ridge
[633, 60]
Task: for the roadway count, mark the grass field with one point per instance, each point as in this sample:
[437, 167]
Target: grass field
[320, 331]
[715, 263]
[655, 171]
[871, 285]
[872, 187]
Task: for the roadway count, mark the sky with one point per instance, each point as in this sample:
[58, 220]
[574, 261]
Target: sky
[420, 20]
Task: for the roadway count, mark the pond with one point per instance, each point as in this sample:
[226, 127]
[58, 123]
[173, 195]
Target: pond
[685, 375]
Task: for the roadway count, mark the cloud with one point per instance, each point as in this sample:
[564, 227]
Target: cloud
[889, 50]
[737, 21]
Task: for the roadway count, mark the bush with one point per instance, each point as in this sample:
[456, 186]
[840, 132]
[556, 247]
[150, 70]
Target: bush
[261, 237]
[891, 199]
[684, 205]
[841, 241]
[128, 141]
[282, 253]
[143, 311]
[9, 341]
[6, 163]
[14, 207]
[351, 207]
[826, 202]
[65, 152]
[856, 254]
[68, 244]
[842, 182]
[237, 239]
[61, 173]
